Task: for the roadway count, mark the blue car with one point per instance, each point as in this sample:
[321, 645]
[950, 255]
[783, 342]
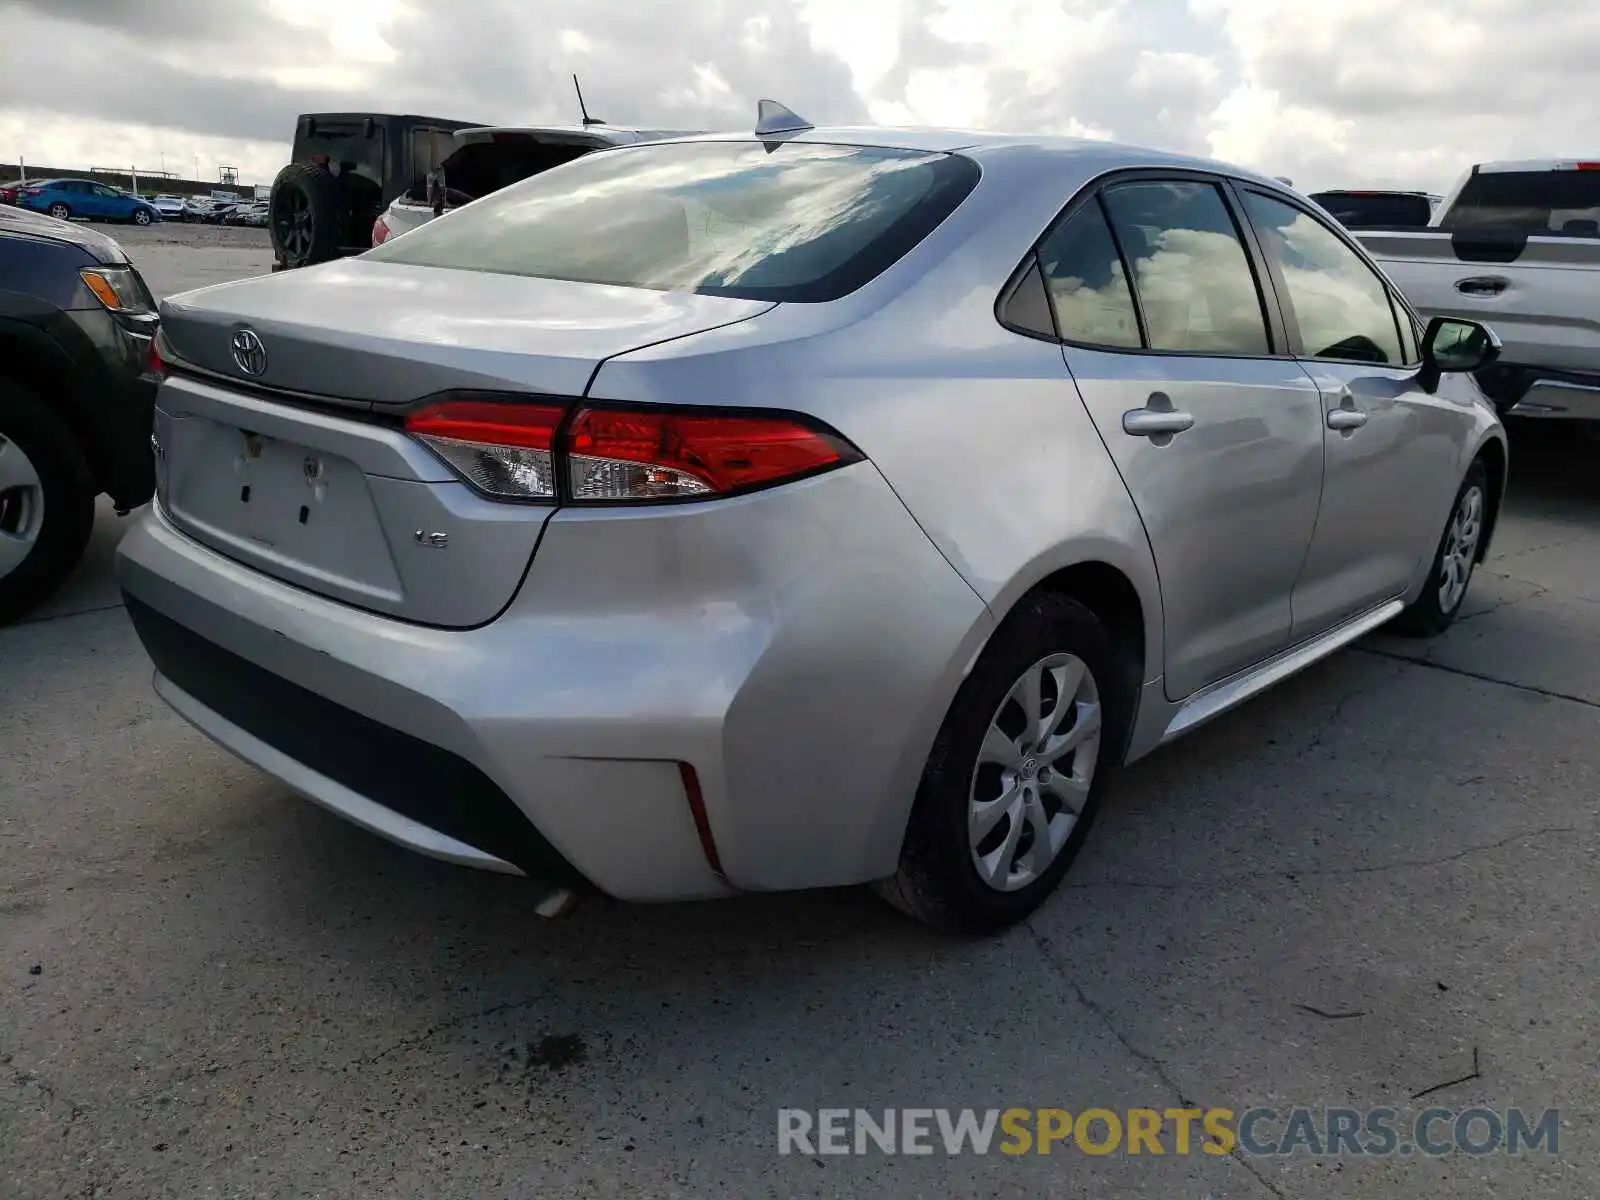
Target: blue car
[68, 198]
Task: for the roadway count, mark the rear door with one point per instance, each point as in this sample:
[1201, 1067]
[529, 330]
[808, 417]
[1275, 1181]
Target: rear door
[111, 204]
[1216, 430]
[1526, 243]
[79, 197]
[1391, 448]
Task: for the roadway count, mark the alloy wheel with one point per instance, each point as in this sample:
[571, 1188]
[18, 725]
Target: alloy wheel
[293, 222]
[21, 506]
[1034, 771]
[1460, 548]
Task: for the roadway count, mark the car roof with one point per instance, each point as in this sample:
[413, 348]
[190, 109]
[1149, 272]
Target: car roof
[618, 134]
[1091, 156]
[1372, 192]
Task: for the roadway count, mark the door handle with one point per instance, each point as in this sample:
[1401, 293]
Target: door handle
[1158, 420]
[1347, 416]
[1481, 285]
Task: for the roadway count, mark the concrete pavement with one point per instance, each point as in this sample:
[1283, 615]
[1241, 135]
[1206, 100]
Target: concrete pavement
[1375, 880]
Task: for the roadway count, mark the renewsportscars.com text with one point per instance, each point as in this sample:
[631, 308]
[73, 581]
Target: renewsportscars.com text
[1329, 1132]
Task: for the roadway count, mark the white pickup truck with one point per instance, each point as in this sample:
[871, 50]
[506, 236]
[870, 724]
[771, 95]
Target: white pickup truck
[1515, 245]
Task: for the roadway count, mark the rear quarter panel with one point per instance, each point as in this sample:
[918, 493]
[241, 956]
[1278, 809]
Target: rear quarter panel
[980, 431]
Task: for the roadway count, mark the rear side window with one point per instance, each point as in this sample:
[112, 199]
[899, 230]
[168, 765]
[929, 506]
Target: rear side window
[1535, 203]
[1194, 281]
[794, 221]
[1087, 284]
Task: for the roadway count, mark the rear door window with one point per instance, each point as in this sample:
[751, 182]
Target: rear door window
[795, 222]
[1087, 282]
[1196, 288]
[1532, 203]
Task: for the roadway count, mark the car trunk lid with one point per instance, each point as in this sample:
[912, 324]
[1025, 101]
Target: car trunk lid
[385, 334]
[299, 468]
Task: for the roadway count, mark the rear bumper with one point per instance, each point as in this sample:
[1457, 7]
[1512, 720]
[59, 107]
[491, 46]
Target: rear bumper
[797, 649]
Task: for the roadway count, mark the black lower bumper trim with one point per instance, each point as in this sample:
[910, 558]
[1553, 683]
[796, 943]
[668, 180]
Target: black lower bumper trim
[1507, 383]
[405, 774]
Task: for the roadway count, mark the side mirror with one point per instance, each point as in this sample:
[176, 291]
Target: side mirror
[1454, 344]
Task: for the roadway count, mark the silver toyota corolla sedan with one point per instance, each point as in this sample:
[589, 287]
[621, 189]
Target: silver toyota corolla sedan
[814, 507]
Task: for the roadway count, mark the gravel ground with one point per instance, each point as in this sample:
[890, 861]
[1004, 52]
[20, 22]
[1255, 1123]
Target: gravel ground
[175, 257]
[1378, 881]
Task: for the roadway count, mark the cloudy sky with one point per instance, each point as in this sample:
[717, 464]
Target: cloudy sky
[1329, 92]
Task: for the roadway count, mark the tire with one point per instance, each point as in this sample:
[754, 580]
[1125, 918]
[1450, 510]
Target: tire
[60, 211]
[46, 501]
[306, 215]
[1436, 609]
[141, 216]
[938, 880]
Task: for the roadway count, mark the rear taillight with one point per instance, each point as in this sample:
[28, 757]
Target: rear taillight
[380, 232]
[504, 448]
[658, 454]
[614, 454]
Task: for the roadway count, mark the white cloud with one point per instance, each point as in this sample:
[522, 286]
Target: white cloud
[1360, 92]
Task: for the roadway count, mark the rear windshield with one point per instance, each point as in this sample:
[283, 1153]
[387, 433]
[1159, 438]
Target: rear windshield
[784, 222]
[1536, 203]
[1355, 211]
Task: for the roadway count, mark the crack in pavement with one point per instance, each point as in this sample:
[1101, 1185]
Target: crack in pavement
[22, 1078]
[1156, 1066]
[1360, 689]
[66, 616]
[1539, 592]
[1565, 540]
[367, 1060]
[1293, 875]
[1478, 675]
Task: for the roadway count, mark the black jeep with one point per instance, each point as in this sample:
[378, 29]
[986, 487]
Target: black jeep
[346, 168]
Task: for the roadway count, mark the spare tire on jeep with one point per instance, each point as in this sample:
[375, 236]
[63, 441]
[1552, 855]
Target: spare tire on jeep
[306, 215]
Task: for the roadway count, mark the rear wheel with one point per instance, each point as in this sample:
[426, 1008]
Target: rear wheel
[60, 211]
[1016, 773]
[305, 216]
[46, 501]
[1434, 611]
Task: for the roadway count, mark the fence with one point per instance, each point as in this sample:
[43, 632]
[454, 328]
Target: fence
[150, 182]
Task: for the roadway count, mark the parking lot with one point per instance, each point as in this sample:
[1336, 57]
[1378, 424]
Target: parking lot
[1372, 882]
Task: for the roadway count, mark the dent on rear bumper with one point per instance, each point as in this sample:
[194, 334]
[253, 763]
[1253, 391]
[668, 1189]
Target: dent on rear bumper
[797, 647]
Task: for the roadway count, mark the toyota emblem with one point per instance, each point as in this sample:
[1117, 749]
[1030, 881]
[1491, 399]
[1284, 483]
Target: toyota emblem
[248, 352]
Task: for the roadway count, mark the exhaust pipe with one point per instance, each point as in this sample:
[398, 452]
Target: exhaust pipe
[557, 903]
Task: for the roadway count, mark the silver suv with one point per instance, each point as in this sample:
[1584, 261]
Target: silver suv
[744, 513]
